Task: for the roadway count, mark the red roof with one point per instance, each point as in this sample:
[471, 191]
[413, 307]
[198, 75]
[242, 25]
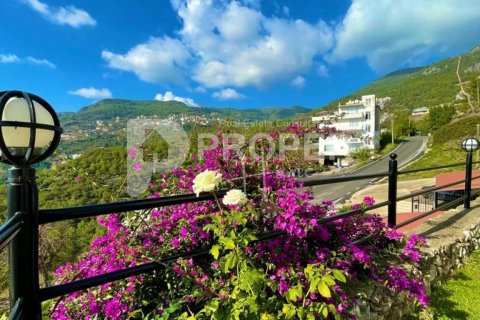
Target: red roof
[450, 177]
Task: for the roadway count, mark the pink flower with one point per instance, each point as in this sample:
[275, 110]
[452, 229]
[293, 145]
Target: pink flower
[369, 201]
[175, 243]
[132, 153]
[183, 232]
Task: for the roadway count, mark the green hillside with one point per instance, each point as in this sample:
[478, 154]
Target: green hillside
[427, 86]
[127, 109]
[103, 124]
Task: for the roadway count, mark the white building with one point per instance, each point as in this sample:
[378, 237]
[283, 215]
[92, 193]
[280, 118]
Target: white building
[358, 126]
[420, 111]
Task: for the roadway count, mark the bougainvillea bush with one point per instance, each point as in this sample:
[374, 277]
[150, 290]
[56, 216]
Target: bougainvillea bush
[310, 271]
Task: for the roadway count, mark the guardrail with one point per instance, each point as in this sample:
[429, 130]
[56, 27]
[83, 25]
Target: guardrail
[21, 230]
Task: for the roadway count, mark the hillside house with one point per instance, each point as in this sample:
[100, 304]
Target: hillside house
[420, 111]
[358, 126]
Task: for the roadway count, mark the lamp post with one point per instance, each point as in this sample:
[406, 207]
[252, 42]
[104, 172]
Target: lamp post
[469, 145]
[478, 137]
[29, 133]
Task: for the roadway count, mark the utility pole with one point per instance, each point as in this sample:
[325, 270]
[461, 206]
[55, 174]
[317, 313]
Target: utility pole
[478, 136]
[393, 138]
[409, 129]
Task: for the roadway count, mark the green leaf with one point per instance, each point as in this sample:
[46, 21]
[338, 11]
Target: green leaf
[332, 308]
[289, 311]
[229, 262]
[227, 243]
[252, 304]
[313, 285]
[324, 290]
[217, 219]
[215, 251]
[308, 271]
[329, 280]
[212, 305]
[209, 227]
[339, 276]
[325, 312]
[301, 313]
[251, 280]
[294, 293]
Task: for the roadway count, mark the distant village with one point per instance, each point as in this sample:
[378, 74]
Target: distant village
[357, 121]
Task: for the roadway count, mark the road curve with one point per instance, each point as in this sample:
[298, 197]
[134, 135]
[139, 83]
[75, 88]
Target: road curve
[409, 150]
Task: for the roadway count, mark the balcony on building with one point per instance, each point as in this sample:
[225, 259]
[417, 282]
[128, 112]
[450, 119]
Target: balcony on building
[352, 115]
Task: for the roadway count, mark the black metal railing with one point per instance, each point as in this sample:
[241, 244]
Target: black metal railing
[21, 230]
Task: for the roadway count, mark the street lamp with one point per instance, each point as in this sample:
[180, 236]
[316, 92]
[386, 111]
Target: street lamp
[469, 145]
[30, 130]
[29, 133]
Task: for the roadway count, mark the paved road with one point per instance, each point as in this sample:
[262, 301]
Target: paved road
[408, 151]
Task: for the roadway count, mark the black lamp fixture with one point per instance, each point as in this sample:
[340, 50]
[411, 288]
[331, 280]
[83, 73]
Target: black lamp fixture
[29, 133]
[470, 144]
[29, 128]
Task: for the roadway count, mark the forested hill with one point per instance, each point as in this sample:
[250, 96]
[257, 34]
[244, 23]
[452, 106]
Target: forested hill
[109, 109]
[427, 86]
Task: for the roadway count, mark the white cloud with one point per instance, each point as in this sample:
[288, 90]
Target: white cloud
[68, 15]
[41, 62]
[92, 93]
[157, 60]
[238, 46]
[228, 94]
[12, 58]
[322, 70]
[227, 43]
[200, 89]
[286, 10]
[394, 33]
[298, 82]
[9, 58]
[169, 96]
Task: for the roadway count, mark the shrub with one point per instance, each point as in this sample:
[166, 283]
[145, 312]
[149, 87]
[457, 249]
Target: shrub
[308, 272]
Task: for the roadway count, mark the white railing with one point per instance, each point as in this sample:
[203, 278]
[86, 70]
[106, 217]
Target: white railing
[356, 115]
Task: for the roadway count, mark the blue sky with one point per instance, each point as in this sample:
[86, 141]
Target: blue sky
[244, 53]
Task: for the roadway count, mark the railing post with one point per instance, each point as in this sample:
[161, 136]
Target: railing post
[468, 180]
[22, 195]
[392, 190]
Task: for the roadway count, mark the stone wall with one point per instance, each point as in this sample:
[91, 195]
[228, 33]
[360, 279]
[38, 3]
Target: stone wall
[451, 237]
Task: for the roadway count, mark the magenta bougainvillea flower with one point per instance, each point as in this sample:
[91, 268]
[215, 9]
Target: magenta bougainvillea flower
[273, 202]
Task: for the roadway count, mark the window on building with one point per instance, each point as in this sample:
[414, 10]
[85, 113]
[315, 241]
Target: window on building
[328, 147]
[368, 115]
[368, 101]
[367, 128]
[353, 123]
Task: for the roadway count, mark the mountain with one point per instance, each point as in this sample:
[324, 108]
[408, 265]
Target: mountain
[427, 86]
[103, 124]
[109, 109]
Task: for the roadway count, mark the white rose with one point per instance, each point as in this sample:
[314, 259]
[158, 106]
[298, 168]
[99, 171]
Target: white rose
[234, 196]
[206, 181]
